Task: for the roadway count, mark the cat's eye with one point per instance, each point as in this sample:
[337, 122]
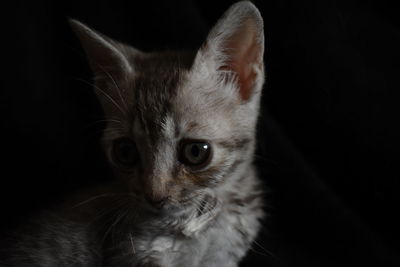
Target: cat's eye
[195, 153]
[125, 152]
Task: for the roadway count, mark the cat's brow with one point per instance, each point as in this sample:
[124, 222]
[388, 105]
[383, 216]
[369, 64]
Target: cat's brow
[235, 144]
[192, 126]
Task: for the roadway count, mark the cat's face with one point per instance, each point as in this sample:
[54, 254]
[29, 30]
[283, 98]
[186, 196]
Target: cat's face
[178, 124]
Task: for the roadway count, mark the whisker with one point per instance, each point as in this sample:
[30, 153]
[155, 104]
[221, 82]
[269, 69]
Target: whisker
[117, 202]
[112, 130]
[132, 246]
[263, 158]
[117, 87]
[91, 199]
[112, 100]
[269, 253]
[104, 121]
[118, 215]
[109, 213]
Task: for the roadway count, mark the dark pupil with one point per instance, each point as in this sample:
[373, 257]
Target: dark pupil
[195, 150]
[125, 152]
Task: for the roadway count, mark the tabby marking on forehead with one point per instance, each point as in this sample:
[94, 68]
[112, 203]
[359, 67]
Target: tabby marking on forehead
[168, 127]
[156, 87]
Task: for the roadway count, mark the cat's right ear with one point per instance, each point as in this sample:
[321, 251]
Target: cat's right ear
[109, 61]
[105, 55]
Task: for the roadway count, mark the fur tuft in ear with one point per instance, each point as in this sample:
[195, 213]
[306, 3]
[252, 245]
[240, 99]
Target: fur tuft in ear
[236, 44]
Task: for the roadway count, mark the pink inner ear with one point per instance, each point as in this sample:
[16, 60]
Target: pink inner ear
[244, 53]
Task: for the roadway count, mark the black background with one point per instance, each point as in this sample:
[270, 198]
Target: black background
[328, 134]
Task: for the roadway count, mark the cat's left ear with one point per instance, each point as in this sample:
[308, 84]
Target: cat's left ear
[236, 45]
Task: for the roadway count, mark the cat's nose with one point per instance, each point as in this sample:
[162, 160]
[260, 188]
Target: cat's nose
[157, 201]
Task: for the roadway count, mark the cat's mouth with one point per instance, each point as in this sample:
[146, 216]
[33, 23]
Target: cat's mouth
[169, 206]
[195, 204]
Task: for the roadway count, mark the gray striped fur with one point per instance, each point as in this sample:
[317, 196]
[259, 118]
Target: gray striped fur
[158, 99]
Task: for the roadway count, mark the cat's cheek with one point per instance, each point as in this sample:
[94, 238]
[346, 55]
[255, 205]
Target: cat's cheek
[129, 180]
[176, 189]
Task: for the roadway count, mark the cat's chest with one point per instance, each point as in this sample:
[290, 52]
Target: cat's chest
[171, 251]
[184, 246]
[223, 235]
[168, 250]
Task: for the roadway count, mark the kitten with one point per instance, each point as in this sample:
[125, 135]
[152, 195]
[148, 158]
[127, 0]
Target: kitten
[180, 137]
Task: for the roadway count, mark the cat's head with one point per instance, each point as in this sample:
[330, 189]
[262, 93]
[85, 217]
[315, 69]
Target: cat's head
[181, 124]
